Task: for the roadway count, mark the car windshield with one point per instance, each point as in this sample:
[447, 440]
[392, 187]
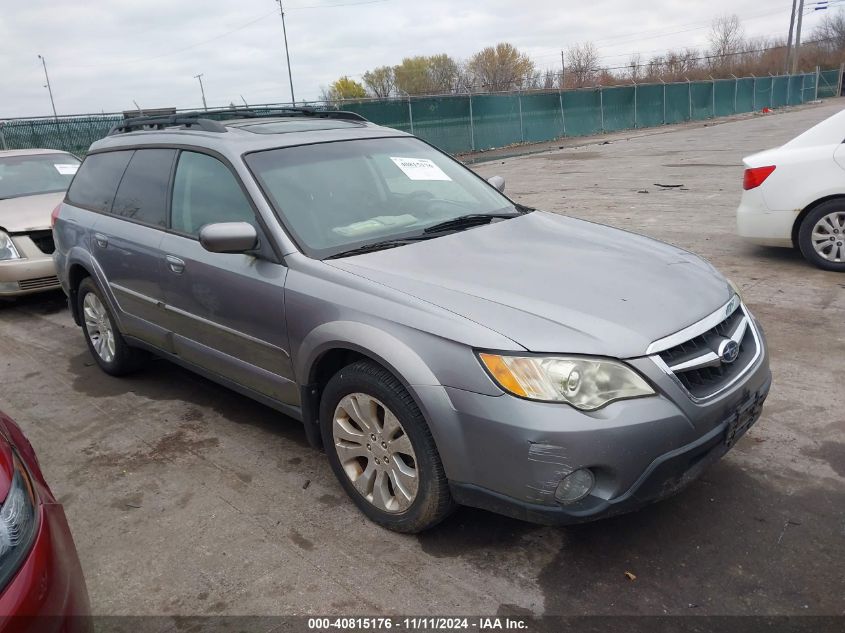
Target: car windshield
[338, 196]
[32, 174]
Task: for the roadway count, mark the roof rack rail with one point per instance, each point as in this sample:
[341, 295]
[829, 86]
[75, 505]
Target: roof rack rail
[160, 122]
[281, 111]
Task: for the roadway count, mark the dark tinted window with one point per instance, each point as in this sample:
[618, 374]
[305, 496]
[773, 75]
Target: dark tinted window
[142, 194]
[205, 192]
[96, 181]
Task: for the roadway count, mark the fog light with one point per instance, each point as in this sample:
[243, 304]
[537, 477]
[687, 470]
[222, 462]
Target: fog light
[575, 486]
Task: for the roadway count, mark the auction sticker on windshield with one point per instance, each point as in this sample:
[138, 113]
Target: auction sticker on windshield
[420, 168]
[66, 169]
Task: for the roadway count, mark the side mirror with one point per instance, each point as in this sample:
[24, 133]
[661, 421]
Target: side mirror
[498, 182]
[228, 237]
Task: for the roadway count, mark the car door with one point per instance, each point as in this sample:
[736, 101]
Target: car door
[227, 310]
[127, 236]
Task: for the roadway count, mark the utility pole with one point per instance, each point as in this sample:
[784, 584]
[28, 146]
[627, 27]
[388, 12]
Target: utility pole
[789, 39]
[797, 52]
[202, 90]
[287, 53]
[49, 88]
[562, 71]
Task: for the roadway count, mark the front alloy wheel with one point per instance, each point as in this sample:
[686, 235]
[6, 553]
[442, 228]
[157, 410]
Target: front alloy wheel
[375, 452]
[381, 450]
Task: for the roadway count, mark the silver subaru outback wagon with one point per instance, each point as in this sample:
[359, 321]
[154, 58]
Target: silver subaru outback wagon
[444, 344]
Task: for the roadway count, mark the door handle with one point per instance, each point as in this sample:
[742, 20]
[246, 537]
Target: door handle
[176, 265]
[102, 240]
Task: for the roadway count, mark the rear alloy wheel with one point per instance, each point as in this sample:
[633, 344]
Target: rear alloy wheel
[104, 340]
[381, 449]
[98, 327]
[821, 236]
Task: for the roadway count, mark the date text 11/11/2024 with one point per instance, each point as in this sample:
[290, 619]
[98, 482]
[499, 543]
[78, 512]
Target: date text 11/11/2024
[417, 623]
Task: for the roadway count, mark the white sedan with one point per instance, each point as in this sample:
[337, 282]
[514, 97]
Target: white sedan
[795, 195]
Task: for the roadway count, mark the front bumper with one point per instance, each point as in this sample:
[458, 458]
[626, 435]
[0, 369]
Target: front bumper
[48, 592]
[508, 455]
[27, 275]
[666, 475]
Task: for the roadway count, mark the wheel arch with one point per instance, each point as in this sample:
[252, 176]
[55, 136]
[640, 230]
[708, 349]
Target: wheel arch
[332, 346]
[796, 226]
[76, 273]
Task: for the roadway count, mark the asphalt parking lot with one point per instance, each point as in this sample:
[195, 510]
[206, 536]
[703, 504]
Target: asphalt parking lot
[187, 498]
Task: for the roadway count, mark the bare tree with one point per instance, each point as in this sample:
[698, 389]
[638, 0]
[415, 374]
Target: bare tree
[500, 68]
[830, 33]
[635, 67]
[380, 81]
[726, 40]
[582, 62]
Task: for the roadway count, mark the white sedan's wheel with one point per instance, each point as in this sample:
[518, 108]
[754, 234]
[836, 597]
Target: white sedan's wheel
[828, 237]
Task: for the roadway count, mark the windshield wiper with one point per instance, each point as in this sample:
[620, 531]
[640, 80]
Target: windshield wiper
[379, 246]
[468, 221]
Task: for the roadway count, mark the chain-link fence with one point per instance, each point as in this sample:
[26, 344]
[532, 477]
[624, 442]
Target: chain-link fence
[473, 122]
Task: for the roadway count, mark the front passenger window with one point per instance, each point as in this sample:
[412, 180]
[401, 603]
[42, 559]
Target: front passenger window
[206, 192]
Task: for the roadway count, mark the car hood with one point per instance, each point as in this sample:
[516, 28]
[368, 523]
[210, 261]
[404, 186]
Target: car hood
[555, 284]
[28, 213]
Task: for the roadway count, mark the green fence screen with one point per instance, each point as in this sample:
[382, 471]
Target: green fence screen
[465, 123]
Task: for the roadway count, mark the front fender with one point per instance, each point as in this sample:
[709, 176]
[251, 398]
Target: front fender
[382, 346]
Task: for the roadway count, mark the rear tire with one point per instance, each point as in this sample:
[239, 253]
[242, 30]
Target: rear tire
[821, 236]
[381, 449]
[106, 344]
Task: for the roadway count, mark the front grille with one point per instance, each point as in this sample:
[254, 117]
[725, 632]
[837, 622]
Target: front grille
[39, 282]
[43, 240]
[697, 363]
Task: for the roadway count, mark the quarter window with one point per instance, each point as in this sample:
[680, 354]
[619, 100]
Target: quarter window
[142, 194]
[95, 183]
[206, 192]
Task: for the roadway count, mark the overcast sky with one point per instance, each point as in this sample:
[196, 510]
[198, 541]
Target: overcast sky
[103, 54]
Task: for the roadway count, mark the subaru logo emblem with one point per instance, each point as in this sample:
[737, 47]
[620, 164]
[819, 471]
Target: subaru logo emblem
[728, 351]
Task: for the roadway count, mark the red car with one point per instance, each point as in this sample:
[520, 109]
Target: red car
[41, 583]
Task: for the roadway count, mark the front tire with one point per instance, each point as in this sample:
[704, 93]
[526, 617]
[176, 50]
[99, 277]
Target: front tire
[104, 340]
[821, 236]
[381, 449]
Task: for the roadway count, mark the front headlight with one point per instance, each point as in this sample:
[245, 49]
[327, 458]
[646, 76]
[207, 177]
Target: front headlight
[18, 523]
[735, 288]
[7, 248]
[585, 383]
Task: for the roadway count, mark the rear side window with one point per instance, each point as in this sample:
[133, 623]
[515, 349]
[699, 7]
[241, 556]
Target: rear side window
[96, 182]
[142, 194]
[205, 192]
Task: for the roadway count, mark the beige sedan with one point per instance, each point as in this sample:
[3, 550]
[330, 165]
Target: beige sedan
[32, 183]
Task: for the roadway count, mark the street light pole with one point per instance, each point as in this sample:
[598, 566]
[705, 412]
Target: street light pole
[287, 53]
[202, 90]
[797, 51]
[49, 88]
